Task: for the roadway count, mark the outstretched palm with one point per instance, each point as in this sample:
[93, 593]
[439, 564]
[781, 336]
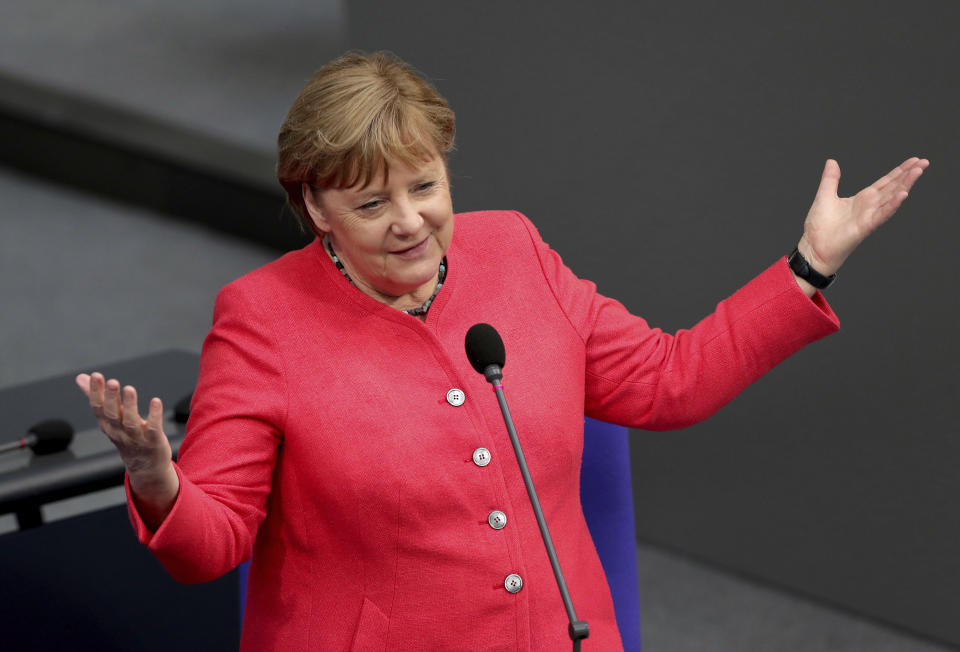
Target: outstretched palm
[836, 225]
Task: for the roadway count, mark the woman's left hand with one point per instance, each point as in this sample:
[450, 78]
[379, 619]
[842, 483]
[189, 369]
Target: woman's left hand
[836, 225]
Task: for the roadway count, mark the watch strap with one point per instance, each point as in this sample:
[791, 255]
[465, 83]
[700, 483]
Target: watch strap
[802, 268]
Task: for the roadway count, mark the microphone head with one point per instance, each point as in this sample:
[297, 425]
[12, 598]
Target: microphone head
[181, 411]
[484, 347]
[53, 436]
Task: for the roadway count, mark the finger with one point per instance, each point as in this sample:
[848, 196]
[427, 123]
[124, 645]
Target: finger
[894, 174]
[904, 174]
[829, 180]
[111, 400]
[83, 382]
[96, 391]
[131, 414]
[911, 177]
[882, 212]
[155, 416]
[888, 191]
[902, 184]
[890, 206]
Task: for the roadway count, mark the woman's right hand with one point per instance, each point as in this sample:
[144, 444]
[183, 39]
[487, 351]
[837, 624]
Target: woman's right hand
[142, 444]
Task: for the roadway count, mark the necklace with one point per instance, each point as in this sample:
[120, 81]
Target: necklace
[416, 312]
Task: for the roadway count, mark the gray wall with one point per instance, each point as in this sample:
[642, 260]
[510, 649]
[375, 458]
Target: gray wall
[670, 151]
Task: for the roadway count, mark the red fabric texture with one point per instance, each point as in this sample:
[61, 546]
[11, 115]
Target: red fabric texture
[321, 441]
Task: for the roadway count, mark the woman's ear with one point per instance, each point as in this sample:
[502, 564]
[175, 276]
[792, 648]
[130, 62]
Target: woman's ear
[314, 209]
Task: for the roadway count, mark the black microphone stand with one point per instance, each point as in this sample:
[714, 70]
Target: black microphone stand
[578, 629]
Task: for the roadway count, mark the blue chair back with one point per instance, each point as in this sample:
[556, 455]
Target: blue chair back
[606, 494]
[607, 497]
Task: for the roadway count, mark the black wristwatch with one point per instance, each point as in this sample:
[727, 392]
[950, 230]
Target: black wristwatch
[802, 268]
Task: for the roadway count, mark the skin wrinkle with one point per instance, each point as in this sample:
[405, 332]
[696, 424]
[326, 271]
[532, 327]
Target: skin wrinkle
[412, 206]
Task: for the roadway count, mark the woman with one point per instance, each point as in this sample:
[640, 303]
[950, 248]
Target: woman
[339, 434]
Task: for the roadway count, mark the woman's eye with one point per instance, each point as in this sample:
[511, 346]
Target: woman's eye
[425, 186]
[371, 205]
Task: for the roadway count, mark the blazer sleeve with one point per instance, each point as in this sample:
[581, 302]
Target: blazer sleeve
[226, 461]
[641, 377]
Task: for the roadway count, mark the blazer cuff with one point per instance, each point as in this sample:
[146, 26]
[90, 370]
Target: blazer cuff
[143, 533]
[817, 304]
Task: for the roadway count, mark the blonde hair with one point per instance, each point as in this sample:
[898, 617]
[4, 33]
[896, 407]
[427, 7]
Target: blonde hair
[355, 117]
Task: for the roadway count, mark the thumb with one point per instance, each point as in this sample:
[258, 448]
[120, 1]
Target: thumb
[830, 180]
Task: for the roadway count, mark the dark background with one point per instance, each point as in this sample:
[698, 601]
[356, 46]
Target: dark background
[669, 152]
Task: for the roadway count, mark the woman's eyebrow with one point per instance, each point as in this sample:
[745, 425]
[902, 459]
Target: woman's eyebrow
[366, 193]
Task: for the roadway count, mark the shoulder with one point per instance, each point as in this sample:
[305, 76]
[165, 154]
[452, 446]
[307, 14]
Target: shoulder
[278, 282]
[501, 229]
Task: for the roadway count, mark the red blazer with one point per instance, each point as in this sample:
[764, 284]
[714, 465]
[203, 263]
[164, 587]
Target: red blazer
[324, 439]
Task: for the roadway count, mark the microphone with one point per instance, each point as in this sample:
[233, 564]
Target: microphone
[181, 411]
[487, 355]
[50, 436]
[485, 351]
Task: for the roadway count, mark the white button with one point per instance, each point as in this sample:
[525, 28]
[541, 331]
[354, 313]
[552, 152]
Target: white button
[481, 457]
[497, 519]
[513, 583]
[456, 397]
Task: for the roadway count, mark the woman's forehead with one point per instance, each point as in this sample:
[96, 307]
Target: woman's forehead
[399, 172]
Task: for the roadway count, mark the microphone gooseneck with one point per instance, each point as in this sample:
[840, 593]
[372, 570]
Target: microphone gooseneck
[487, 355]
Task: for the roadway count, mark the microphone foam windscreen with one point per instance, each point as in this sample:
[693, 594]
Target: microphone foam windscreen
[53, 436]
[484, 347]
[181, 411]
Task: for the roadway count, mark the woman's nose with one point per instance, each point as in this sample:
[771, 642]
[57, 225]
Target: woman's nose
[408, 220]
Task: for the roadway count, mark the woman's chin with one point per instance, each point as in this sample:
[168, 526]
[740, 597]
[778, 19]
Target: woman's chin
[421, 277]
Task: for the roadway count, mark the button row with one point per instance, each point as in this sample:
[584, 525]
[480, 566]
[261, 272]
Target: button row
[497, 519]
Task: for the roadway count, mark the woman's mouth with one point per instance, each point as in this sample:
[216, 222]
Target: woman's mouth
[416, 250]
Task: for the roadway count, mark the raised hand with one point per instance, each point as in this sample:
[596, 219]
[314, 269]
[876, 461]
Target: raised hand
[835, 225]
[142, 444]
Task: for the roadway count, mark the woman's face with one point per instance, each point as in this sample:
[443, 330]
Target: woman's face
[390, 235]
